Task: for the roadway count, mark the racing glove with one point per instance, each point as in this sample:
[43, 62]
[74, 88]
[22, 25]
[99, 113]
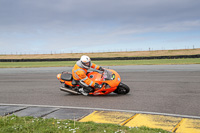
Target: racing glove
[101, 69]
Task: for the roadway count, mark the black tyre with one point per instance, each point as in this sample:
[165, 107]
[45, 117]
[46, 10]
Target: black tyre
[122, 89]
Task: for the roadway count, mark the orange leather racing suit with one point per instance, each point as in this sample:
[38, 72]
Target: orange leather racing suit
[79, 73]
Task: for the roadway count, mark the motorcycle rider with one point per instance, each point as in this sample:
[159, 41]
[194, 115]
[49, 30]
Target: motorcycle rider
[79, 73]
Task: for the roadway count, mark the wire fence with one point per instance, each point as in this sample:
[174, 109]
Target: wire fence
[88, 51]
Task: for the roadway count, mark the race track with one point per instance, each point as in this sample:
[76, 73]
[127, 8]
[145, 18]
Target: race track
[173, 89]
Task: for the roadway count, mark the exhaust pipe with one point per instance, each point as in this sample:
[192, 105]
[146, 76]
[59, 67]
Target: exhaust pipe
[69, 91]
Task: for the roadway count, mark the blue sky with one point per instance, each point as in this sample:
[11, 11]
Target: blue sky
[59, 26]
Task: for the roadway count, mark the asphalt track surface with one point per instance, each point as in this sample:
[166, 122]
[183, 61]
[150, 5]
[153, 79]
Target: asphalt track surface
[173, 89]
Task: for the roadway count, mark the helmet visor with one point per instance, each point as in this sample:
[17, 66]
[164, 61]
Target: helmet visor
[88, 64]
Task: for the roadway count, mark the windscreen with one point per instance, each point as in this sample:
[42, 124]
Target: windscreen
[108, 75]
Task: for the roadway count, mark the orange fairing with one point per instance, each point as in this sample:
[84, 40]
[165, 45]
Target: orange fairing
[69, 83]
[111, 82]
[95, 77]
[116, 79]
[98, 78]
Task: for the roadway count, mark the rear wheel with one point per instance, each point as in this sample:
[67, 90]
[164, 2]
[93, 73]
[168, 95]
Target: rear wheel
[122, 89]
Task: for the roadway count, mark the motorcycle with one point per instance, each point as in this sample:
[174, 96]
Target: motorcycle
[109, 80]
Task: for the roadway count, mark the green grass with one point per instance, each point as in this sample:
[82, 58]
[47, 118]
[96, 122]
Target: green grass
[102, 63]
[15, 124]
[36, 64]
[150, 62]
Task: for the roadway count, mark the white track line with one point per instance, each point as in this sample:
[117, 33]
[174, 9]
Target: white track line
[71, 107]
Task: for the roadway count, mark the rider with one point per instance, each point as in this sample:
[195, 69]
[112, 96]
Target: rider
[79, 72]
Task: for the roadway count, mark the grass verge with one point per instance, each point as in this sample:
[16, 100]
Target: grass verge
[102, 63]
[40, 125]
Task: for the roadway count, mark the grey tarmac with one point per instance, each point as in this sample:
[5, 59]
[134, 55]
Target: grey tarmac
[173, 89]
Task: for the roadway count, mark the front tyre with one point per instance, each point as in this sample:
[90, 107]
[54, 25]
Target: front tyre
[122, 89]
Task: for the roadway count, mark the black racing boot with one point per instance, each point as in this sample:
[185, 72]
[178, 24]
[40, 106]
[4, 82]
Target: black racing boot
[86, 90]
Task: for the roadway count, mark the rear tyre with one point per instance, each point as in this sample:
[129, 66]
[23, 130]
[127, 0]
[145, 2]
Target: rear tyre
[122, 89]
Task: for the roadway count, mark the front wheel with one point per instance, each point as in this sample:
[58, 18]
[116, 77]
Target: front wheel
[122, 89]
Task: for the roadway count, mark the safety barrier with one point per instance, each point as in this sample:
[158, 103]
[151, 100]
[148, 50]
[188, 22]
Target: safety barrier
[103, 58]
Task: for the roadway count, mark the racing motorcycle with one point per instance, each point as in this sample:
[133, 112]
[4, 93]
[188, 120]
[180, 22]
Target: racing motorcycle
[109, 80]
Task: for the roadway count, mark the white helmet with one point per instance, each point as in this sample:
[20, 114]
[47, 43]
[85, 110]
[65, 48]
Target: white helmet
[85, 62]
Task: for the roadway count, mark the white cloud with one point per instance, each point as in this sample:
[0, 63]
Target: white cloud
[47, 23]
